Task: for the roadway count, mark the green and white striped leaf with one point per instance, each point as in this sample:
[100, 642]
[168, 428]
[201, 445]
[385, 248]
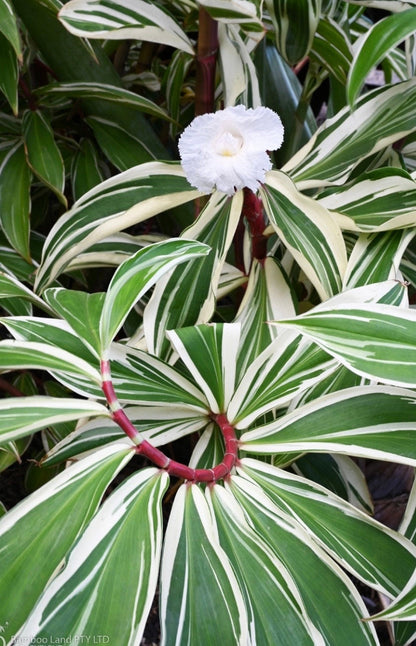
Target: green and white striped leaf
[240, 83]
[209, 352]
[282, 371]
[136, 275]
[43, 155]
[332, 49]
[113, 250]
[319, 580]
[15, 204]
[376, 257]
[32, 355]
[187, 295]
[124, 19]
[375, 341]
[104, 92]
[295, 25]
[20, 416]
[143, 379]
[9, 73]
[403, 607]
[267, 296]
[380, 200]
[11, 287]
[380, 118]
[382, 37]
[209, 449]
[36, 534]
[158, 425]
[9, 28]
[116, 204]
[81, 310]
[309, 232]
[276, 614]
[359, 543]
[109, 579]
[197, 580]
[376, 422]
[230, 12]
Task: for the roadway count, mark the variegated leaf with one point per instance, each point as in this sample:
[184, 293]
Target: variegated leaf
[209, 352]
[192, 554]
[136, 275]
[374, 340]
[375, 422]
[309, 232]
[380, 118]
[114, 205]
[187, 295]
[124, 19]
[319, 580]
[351, 537]
[275, 609]
[294, 24]
[110, 576]
[45, 525]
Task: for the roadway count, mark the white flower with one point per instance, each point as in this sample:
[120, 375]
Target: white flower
[227, 149]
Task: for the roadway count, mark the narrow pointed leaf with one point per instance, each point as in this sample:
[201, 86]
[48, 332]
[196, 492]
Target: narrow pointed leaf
[110, 576]
[319, 580]
[377, 422]
[375, 340]
[197, 580]
[187, 295]
[114, 205]
[38, 532]
[209, 352]
[85, 169]
[294, 25]
[15, 204]
[124, 19]
[354, 539]
[310, 233]
[43, 154]
[8, 26]
[276, 612]
[380, 118]
[9, 72]
[22, 416]
[379, 40]
[136, 275]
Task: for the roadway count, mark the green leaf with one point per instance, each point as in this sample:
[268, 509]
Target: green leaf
[109, 580]
[276, 614]
[114, 205]
[9, 71]
[36, 534]
[15, 199]
[375, 340]
[294, 25]
[376, 422]
[403, 608]
[85, 169]
[43, 154]
[380, 200]
[380, 118]
[103, 92]
[187, 295]
[197, 580]
[318, 579]
[209, 353]
[234, 12]
[11, 287]
[81, 310]
[379, 40]
[359, 543]
[310, 233]
[9, 28]
[332, 49]
[136, 275]
[124, 19]
[22, 416]
[282, 371]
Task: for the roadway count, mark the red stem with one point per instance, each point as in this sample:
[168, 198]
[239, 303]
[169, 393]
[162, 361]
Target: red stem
[155, 455]
[253, 212]
[206, 61]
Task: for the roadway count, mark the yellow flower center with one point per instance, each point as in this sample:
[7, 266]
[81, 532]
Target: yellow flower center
[227, 144]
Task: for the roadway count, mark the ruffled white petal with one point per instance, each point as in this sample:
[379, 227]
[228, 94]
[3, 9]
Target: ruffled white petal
[226, 150]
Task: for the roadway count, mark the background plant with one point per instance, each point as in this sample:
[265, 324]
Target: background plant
[249, 352]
